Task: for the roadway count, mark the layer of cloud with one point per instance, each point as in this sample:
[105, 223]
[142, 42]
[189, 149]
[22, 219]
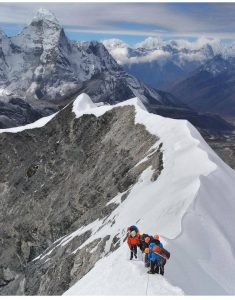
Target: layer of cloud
[174, 19]
[155, 49]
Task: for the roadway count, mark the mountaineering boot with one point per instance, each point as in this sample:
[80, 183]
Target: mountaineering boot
[147, 265]
[150, 272]
[157, 270]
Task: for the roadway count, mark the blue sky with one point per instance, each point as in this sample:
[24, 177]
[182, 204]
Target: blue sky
[131, 22]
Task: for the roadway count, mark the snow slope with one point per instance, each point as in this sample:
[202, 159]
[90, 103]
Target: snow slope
[122, 277]
[191, 206]
[37, 124]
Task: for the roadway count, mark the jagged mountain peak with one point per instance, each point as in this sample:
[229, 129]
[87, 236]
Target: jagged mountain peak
[216, 65]
[45, 15]
[44, 29]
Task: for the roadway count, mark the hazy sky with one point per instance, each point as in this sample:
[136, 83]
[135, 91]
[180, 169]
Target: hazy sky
[130, 22]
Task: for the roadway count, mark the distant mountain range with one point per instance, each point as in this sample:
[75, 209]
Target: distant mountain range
[161, 63]
[42, 71]
[201, 74]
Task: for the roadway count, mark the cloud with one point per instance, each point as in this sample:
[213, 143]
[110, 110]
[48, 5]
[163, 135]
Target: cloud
[159, 55]
[157, 50]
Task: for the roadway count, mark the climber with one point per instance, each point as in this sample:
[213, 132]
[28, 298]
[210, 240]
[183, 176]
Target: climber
[145, 240]
[157, 262]
[133, 241]
[155, 239]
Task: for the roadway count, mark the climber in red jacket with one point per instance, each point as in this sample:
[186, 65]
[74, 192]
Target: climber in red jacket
[133, 241]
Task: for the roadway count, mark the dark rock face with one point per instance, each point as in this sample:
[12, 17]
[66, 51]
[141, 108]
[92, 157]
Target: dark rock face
[223, 145]
[17, 112]
[57, 178]
[105, 88]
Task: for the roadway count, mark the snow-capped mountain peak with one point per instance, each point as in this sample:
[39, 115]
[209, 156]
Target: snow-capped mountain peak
[114, 43]
[43, 31]
[46, 16]
[150, 43]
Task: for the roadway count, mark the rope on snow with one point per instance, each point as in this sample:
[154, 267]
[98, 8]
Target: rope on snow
[147, 286]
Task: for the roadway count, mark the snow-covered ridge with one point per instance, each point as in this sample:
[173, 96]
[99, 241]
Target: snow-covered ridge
[191, 205]
[191, 170]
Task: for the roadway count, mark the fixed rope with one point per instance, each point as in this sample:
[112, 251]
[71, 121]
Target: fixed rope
[147, 286]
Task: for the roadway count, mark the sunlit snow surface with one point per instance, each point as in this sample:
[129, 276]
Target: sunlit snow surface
[191, 205]
[37, 124]
[117, 275]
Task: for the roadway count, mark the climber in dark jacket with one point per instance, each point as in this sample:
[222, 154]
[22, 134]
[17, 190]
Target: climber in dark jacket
[144, 244]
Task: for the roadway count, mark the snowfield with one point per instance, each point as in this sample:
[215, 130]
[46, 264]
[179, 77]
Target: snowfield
[191, 206]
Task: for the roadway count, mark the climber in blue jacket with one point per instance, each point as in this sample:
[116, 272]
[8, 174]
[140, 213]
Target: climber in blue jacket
[157, 262]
